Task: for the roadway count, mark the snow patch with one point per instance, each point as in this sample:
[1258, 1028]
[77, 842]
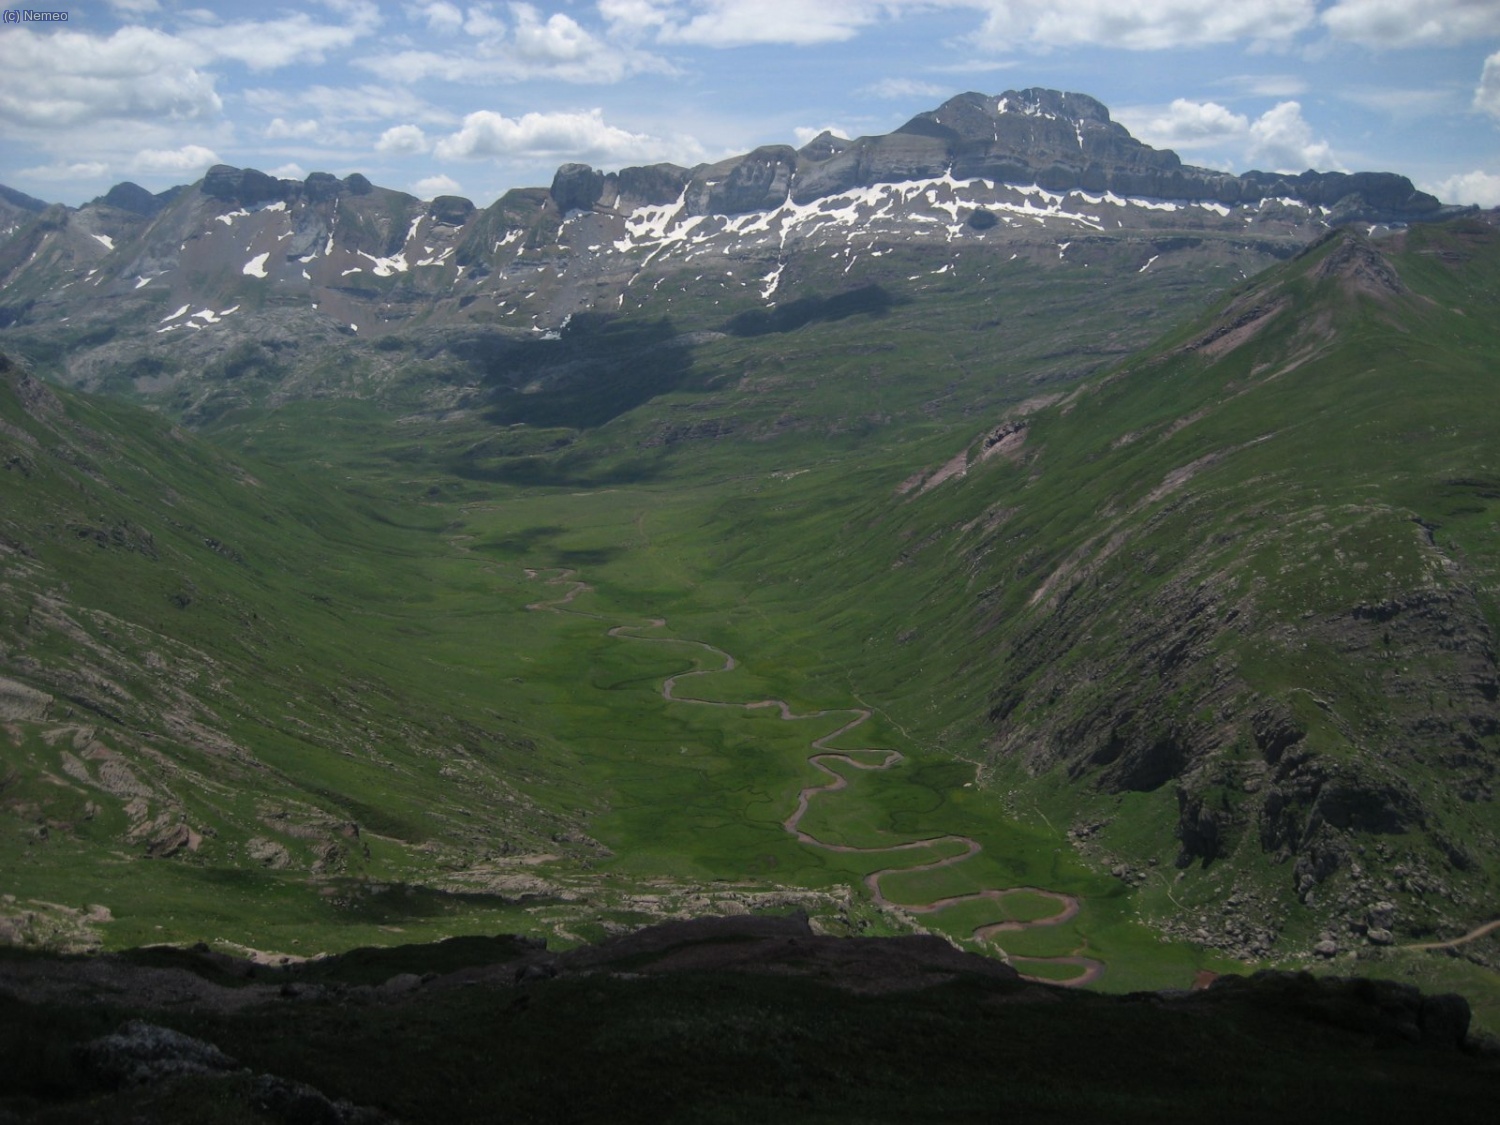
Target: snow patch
[772, 280]
[141, 281]
[256, 266]
[386, 267]
[174, 316]
[105, 241]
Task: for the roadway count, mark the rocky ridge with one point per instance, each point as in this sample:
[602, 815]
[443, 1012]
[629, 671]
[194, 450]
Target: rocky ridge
[129, 279]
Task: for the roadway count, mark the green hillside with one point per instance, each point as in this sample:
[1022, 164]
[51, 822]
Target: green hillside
[1205, 644]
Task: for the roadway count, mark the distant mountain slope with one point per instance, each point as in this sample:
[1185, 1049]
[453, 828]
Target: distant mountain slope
[137, 291]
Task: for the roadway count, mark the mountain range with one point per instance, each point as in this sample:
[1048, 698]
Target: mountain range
[1043, 516]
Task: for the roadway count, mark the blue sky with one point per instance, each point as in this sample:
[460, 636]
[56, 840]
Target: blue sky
[440, 96]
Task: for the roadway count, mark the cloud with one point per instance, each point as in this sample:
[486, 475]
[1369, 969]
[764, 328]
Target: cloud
[566, 136]
[1266, 85]
[433, 186]
[897, 88]
[402, 140]
[1478, 187]
[280, 129]
[1487, 94]
[368, 102]
[528, 47]
[273, 44]
[806, 133]
[1284, 142]
[62, 79]
[633, 16]
[291, 171]
[65, 78]
[738, 23]
[1400, 23]
[81, 170]
[1141, 25]
[1186, 125]
[438, 15]
[1403, 103]
[1279, 140]
[188, 158]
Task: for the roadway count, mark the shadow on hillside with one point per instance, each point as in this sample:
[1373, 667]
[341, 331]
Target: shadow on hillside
[593, 372]
[867, 300]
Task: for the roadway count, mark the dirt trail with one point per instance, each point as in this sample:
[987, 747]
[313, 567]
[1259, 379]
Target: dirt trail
[1068, 905]
[1473, 935]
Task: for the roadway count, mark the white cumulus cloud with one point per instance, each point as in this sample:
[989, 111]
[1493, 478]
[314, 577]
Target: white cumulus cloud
[1477, 186]
[1487, 95]
[1279, 140]
[1185, 125]
[1402, 23]
[188, 158]
[529, 46]
[564, 136]
[1282, 141]
[433, 186]
[402, 140]
[293, 171]
[67, 78]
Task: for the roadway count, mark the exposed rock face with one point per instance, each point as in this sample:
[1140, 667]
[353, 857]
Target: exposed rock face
[451, 210]
[758, 181]
[320, 187]
[576, 187]
[17, 701]
[244, 186]
[652, 185]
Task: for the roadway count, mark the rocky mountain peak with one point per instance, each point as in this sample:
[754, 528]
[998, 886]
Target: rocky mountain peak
[821, 147]
[131, 197]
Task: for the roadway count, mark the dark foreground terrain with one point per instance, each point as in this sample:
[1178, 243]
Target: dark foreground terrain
[720, 1019]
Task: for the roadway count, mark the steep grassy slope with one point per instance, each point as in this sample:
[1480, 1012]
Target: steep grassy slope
[210, 668]
[1230, 610]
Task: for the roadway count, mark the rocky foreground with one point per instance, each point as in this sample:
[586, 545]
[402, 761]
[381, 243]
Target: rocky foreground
[719, 1019]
